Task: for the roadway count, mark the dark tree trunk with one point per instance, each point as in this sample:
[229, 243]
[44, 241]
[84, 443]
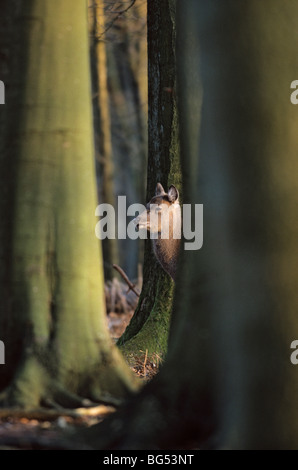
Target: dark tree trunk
[148, 329]
[248, 175]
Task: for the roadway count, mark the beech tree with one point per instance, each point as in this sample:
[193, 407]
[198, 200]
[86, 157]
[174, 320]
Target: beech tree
[103, 133]
[248, 171]
[52, 319]
[148, 329]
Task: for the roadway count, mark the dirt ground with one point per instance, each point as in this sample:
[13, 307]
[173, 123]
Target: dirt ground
[28, 430]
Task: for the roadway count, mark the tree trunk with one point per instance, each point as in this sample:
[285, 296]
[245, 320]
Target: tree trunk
[148, 329]
[52, 317]
[127, 61]
[250, 166]
[103, 132]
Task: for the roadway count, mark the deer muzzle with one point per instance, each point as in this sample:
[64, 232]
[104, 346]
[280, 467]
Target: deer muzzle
[141, 221]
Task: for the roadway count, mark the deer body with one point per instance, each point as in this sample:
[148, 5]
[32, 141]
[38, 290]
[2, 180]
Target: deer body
[163, 219]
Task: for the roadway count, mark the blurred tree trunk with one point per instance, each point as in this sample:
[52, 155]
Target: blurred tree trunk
[122, 39]
[138, 59]
[250, 167]
[126, 45]
[51, 285]
[126, 140]
[228, 373]
[103, 133]
[148, 329]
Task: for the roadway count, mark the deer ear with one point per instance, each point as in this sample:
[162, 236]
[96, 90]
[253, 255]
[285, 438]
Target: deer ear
[159, 190]
[173, 193]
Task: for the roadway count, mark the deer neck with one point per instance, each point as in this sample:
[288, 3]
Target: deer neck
[167, 250]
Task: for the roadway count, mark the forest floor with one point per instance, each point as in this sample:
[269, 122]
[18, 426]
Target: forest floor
[30, 429]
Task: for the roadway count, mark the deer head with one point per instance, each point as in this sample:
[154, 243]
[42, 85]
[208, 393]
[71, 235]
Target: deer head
[162, 218]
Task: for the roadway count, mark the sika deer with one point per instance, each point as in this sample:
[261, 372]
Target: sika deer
[163, 219]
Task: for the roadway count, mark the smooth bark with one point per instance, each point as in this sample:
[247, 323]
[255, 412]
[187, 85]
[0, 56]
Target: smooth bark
[51, 283]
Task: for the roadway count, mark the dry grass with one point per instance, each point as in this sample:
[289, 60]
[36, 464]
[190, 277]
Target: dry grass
[121, 304]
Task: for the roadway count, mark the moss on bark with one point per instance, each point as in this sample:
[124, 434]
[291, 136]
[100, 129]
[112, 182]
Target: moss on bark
[149, 327]
[52, 316]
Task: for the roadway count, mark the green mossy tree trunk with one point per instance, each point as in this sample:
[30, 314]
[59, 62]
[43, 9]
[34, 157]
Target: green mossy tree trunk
[148, 329]
[52, 317]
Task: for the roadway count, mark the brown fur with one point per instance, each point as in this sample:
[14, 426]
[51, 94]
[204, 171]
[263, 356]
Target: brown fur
[165, 250]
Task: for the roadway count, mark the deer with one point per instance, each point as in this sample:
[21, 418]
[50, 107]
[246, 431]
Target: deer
[162, 218]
